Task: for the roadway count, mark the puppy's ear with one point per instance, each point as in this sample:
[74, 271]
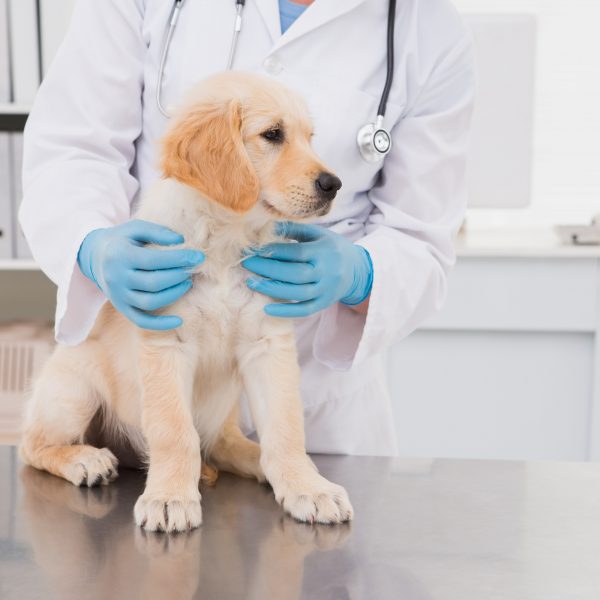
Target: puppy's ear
[204, 149]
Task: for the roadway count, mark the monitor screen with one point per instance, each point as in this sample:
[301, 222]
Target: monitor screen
[501, 149]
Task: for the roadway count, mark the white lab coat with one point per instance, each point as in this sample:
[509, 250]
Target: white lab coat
[91, 148]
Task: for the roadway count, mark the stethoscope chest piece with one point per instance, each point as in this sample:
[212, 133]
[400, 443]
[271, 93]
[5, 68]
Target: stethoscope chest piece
[374, 142]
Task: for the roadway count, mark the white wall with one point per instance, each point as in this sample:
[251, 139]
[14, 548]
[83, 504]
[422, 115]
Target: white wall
[567, 121]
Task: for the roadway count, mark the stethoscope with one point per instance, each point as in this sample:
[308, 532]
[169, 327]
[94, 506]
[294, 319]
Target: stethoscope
[373, 139]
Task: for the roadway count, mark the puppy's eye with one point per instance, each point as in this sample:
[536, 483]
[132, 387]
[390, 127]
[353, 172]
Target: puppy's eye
[273, 135]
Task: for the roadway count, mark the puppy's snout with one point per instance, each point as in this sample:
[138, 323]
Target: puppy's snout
[327, 185]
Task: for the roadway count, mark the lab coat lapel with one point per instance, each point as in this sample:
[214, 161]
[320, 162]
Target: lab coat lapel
[269, 11]
[318, 13]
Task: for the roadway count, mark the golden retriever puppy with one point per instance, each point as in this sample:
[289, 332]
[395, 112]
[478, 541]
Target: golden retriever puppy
[236, 158]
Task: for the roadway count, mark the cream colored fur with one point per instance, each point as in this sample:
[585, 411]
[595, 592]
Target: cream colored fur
[173, 395]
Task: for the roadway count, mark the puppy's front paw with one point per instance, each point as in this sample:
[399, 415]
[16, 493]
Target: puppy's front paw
[313, 499]
[168, 512]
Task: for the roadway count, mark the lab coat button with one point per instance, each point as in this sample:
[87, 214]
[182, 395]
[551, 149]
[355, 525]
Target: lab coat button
[272, 65]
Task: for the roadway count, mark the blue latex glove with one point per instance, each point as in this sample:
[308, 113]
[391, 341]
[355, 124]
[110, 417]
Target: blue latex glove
[137, 279]
[321, 269]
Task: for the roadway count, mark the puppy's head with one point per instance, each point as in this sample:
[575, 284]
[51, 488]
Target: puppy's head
[242, 139]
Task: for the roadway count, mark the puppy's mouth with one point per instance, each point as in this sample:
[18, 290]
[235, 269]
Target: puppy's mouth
[317, 210]
[270, 208]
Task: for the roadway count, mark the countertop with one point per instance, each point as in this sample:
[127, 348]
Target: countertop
[519, 242]
[423, 530]
[503, 241]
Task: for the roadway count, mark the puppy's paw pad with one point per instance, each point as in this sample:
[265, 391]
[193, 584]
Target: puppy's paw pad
[322, 503]
[168, 513]
[92, 466]
[209, 475]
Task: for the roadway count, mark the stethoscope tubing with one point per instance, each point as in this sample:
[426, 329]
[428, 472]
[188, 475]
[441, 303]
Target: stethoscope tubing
[389, 76]
[237, 27]
[366, 140]
[173, 18]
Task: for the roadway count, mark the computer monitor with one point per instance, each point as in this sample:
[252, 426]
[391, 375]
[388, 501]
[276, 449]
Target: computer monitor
[501, 150]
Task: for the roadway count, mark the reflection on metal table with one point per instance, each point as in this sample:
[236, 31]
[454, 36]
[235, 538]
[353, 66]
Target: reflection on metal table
[423, 530]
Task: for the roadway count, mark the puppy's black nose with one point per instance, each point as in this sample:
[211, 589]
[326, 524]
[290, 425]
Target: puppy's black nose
[327, 185]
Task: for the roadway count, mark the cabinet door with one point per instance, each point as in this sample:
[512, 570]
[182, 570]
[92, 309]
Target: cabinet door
[496, 395]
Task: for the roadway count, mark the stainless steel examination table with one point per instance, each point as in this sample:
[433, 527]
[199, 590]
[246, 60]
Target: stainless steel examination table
[423, 530]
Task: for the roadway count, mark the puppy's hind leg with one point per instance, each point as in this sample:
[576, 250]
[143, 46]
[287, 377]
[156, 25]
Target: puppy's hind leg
[64, 402]
[234, 452]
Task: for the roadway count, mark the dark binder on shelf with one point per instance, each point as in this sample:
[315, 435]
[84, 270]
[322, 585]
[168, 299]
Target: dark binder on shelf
[7, 244]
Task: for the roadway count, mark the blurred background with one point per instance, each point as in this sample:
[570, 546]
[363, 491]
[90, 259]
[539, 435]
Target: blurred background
[510, 368]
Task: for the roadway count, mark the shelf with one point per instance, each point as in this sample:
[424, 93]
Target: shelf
[18, 264]
[10, 108]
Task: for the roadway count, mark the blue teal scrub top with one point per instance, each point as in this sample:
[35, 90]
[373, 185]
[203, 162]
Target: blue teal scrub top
[289, 12]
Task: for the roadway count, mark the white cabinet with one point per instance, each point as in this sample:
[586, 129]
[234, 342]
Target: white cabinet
[510, 368]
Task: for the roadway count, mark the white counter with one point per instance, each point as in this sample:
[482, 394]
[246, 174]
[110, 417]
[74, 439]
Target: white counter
[519, 243]
[510, 368]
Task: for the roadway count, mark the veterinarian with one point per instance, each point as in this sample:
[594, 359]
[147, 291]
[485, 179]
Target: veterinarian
[383, 252]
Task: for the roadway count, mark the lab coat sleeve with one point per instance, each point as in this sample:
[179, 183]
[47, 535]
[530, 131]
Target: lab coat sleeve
[78, 150]
[418, 202]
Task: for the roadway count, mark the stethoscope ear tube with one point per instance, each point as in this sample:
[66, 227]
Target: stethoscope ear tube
[239, 7]
[173, 18]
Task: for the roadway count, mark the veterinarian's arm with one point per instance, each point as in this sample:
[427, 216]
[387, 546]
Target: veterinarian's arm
[79, 147]
[418, 206]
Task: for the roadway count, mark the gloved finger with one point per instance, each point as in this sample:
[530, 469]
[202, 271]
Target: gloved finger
[284, 291]
[296, 309]
[290, 272]
[301, 252]
[153, 259]
[155, 281]
[302, 232]
[155, 300]
[152, 233]
[155, 322]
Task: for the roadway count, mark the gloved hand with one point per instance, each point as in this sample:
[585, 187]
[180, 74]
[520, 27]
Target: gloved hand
[321, 269]
[137, 279]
